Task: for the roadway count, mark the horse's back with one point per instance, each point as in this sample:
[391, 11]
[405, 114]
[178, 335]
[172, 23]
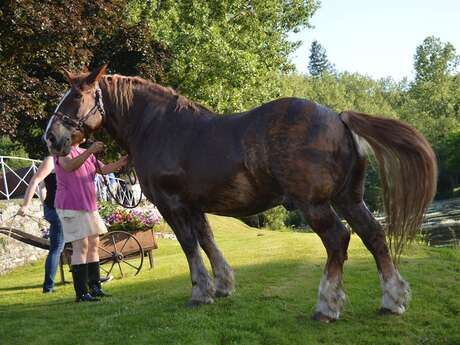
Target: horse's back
[305, 147]
[284, 150]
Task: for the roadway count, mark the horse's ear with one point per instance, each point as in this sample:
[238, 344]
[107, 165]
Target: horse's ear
[95, 75]
[69, 76]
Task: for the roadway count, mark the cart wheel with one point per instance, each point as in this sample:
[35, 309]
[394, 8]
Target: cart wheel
[117, 249]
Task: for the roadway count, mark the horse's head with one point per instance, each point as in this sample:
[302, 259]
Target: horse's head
[79, 112]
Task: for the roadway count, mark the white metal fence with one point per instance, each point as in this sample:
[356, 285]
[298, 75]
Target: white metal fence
[123, 191]
[15, 180]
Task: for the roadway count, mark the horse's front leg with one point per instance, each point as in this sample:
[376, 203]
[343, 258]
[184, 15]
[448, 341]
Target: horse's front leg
[182, 222]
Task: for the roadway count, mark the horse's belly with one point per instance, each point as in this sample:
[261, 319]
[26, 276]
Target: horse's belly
[241, 197]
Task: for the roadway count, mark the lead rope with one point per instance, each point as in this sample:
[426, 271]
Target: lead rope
[11, 219]
[130, 173]
[10, 226]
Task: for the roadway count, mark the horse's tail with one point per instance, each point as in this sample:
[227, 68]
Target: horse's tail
[408, 171]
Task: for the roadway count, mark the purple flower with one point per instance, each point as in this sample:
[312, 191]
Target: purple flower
[134, 219]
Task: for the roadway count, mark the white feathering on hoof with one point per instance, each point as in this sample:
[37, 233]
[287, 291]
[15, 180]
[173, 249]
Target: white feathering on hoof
[331, 297]
[395, 293]
[224, 282]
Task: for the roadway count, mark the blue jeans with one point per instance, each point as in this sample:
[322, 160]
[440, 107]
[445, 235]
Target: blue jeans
[56, 247]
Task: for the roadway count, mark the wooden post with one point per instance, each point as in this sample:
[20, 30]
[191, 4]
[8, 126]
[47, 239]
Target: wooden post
[150, 254]
[61, 268]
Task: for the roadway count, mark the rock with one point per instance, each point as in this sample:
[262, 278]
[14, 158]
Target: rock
[14, 253]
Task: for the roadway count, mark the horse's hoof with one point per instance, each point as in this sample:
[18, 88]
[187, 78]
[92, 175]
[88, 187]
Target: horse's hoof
[386, 311]
[195, 303]
[317, 316]
[192, 304]
[223, 293]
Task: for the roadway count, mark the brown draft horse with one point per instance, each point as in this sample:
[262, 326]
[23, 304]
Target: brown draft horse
[289, 152]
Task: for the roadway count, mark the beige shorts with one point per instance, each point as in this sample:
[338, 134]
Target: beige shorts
[77, 225]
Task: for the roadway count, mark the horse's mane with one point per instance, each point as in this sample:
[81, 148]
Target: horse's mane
[121, 88]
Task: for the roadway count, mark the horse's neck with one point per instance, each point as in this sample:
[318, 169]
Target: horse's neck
[116, 121]
[121, 123]
[125, 125]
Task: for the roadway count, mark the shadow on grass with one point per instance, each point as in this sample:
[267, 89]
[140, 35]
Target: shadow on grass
[21, 287]
[279, 278]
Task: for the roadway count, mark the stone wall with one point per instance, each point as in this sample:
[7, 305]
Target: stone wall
[14, 253]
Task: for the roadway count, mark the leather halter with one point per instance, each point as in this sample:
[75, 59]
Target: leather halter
[80, 124]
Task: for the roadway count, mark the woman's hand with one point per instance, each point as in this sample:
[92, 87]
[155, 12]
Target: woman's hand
[23, 210]
[115, 166]
[96, 147]
[123, 161]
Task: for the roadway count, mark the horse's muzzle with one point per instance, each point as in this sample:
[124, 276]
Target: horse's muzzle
[57, 147]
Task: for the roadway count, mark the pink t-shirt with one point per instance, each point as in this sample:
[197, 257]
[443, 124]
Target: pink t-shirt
[76, 189]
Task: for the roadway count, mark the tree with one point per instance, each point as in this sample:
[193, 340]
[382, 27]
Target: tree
[434, 92]
[227, 54]
[39, 38]
[319, 64]
[434, 61]
[433, 105]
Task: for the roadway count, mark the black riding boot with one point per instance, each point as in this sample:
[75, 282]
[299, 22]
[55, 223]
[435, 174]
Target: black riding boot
[80, 279]
[94, 280]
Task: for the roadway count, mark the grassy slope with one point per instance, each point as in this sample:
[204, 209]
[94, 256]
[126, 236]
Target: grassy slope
[277, 277]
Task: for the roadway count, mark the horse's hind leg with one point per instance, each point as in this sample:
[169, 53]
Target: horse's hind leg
[335, 237]
[183, 221]
[223, 274]
[395, 291]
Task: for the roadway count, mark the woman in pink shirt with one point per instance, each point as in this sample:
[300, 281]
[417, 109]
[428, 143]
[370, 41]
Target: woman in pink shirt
[76, 206]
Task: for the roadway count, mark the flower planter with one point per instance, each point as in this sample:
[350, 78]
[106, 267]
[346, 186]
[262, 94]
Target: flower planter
[146, 239]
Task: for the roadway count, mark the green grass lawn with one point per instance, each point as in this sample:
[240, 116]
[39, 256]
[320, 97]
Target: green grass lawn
[277, 275]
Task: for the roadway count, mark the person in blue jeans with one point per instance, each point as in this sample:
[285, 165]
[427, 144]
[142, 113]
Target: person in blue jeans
[45, 172]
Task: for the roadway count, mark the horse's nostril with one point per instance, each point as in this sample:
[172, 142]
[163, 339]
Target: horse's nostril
[51, 138]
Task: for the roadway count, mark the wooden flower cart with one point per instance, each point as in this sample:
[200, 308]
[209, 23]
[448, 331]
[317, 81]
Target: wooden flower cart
[121, 253]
